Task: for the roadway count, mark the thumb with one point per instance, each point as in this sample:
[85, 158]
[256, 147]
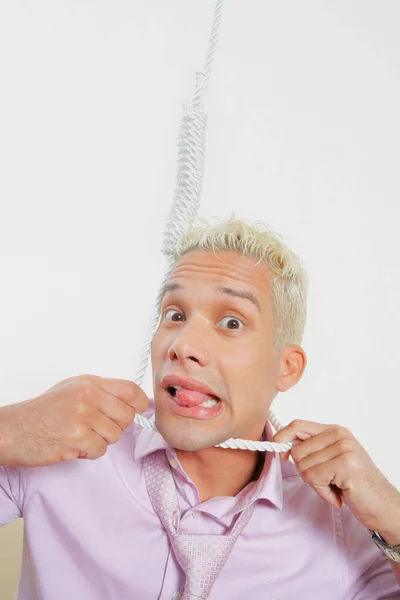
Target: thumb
[300, 436]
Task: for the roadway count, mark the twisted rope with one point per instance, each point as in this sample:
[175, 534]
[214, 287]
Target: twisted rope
[185, 205]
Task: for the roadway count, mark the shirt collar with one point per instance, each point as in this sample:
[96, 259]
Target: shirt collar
[267, 487]
[147, 442]
[269, 484]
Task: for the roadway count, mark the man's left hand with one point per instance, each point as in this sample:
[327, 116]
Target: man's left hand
[338, 468]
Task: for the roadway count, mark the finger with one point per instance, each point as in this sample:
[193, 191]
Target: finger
[329, 493]
[302, 436]
[330, 477]
[127, 391]
[106, 428]
[115, 409]
[94, 446]
[325, 454]
[323, 440]
[291, 431]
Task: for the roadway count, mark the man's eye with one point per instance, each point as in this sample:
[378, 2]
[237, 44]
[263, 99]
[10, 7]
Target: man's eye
[232, 322]
[175, 313]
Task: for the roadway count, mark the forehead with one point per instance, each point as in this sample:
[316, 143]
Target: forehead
[206, 267]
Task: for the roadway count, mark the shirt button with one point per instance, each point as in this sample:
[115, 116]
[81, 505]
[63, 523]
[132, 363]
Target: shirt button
[195, 514]
[176, 596]
[174, 465]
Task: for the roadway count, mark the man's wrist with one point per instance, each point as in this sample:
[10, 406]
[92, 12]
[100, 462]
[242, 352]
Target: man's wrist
[389, 527]
[392, 551]
[391, 538]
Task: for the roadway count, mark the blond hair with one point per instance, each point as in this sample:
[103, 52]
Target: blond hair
[289, 282]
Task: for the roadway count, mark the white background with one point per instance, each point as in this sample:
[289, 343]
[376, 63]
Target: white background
[303, 133]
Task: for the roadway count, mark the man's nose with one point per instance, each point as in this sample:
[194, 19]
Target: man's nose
[190, 344]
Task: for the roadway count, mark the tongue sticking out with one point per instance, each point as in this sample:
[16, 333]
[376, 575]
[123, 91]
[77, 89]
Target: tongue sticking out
[192, 398]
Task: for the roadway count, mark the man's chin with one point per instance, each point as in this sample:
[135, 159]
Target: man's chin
[190, 437]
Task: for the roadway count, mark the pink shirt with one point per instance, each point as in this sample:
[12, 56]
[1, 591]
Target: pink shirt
[91, 533]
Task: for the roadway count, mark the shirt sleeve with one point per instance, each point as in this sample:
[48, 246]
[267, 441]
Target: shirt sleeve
[10, 495]
[370, 574]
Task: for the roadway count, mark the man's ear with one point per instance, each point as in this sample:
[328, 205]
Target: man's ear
[293, 362]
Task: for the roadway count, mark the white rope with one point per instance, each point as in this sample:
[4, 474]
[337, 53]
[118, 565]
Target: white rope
[191, 145]
[236, 444]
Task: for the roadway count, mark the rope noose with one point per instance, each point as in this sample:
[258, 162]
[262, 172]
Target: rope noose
[185, 205]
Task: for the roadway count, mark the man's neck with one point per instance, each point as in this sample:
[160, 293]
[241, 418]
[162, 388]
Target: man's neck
[219, 471]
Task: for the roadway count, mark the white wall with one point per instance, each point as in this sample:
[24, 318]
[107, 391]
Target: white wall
[303, 133]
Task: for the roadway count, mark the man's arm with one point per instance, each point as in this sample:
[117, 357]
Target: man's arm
[77, 418]
[331, 460]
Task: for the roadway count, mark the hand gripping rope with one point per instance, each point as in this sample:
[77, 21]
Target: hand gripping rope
[184, 209]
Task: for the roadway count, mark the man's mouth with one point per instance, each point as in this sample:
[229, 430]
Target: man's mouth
[191, 398]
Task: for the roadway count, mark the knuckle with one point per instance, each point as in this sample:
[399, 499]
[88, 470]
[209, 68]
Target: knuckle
[307, 476]
[81, 407]
[296, 453]
[129, 414]
[341, 431]
[78, 431]
[85, 389]
[85, 377]
[335, 428]
[345, 446]
[346, 433]
[349, 461]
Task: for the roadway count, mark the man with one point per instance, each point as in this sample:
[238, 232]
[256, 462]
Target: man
[228, 340]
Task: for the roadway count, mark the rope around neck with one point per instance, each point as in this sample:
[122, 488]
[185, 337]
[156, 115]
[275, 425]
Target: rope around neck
[191, 145]
[235, 443]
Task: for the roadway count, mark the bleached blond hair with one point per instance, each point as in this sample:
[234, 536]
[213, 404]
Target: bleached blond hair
[256, 240]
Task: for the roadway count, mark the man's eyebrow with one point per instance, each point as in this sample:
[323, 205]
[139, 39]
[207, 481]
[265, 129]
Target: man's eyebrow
[171, 287]
[239, 294]
[223, 289]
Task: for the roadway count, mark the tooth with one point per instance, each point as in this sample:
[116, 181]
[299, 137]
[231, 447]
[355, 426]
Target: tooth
[209, 403]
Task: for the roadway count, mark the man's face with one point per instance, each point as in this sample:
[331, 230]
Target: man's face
[208, 335]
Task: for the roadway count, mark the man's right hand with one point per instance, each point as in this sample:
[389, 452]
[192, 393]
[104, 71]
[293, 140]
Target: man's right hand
[77, 418]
